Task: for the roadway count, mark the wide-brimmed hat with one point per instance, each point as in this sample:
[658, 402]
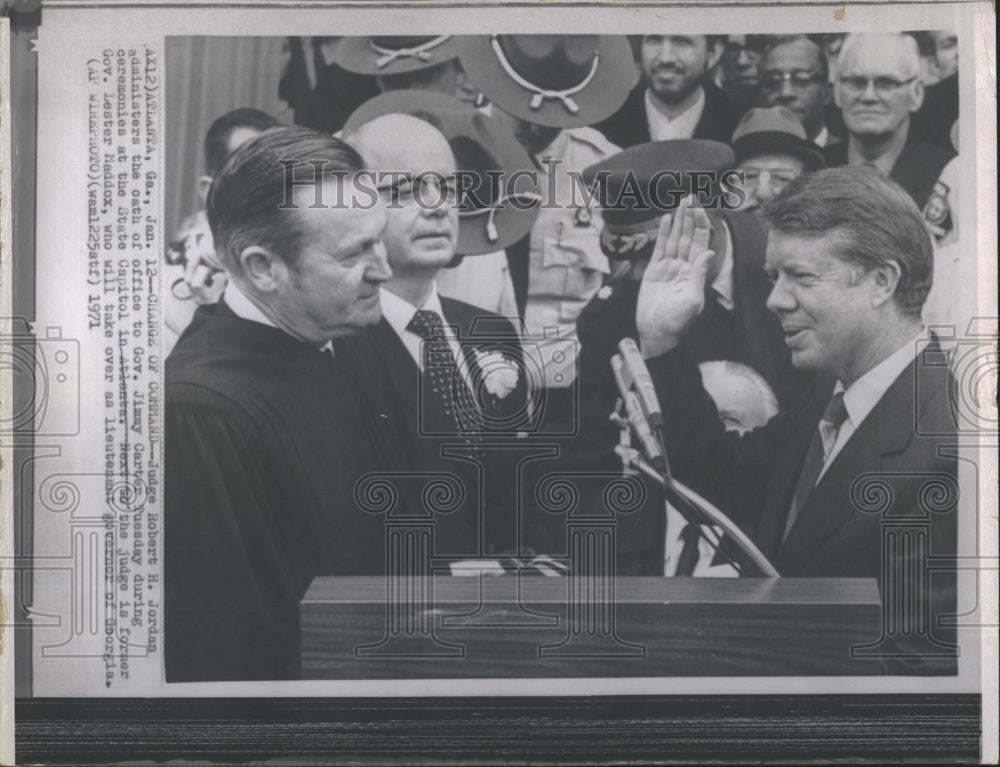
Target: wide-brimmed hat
[495, 211]
[775, 130]
[637, 186]
[559, 81]
[394, 55]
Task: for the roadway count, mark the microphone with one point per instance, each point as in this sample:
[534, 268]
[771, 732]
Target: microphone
[636, 370]
[640, 425]
[622, 377]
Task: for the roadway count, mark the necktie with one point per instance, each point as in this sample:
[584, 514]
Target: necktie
[447, 405]
[688, 558]
[823, 440]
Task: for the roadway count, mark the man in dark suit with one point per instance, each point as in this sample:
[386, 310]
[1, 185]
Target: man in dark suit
[854, 479]
[485, 392]
[734, 326]
[878, 88]
[676, 98]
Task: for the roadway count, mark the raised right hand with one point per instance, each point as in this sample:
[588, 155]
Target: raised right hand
[672, 292]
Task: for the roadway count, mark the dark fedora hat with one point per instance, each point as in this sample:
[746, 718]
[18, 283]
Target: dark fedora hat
[775, 130]
[560, 81]
[394, 55]
[637, 186]
[495, 211]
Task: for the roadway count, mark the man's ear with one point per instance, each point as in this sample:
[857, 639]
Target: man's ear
[916, 95]
[263, 269]
[715, 51]
[204, 184]
[885, 279]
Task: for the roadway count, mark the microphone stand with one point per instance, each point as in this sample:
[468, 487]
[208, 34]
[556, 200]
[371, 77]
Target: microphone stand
[695, 509]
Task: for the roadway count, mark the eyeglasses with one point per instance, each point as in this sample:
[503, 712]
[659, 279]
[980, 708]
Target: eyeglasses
[883, 86]
[772, 81]
[775, 179]
[427, 189]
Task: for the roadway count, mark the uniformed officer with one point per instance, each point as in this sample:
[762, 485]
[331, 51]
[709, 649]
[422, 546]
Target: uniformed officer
[548, 89]
[640, 185]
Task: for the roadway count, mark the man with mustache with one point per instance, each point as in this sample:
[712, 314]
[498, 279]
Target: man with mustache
[878, 88]
[851, 263]
[676, 98]
[794, 74]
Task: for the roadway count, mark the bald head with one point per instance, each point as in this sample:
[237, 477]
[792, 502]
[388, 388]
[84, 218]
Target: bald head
[398, 142]
[898, 52]
[414, 170]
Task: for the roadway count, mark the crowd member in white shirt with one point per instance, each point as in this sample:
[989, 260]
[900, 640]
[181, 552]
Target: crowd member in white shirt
[547, 89]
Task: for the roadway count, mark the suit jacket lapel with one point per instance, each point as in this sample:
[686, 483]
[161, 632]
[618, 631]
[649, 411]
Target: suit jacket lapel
[886, 430]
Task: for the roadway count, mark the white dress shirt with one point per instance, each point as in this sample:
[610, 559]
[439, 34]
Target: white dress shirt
[243, 307]
[861, 397]
[662, 128]
[723, 282]
[398, 313]
[246, 309]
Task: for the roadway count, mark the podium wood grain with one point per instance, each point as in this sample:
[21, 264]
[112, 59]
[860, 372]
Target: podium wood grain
[660, 627]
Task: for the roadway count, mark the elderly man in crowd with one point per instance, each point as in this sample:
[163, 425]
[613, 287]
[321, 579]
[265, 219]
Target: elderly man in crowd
[771, 152]
[266, 432]
[851, 262]
[878, 88]
[676, 98]
[794, 74]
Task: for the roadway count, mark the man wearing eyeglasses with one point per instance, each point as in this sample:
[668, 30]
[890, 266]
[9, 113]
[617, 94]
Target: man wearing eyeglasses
[878, 88]
[455, 370]
[794, 74]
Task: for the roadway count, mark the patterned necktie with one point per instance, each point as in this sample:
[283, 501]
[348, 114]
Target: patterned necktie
[822, 442]
[446, 404]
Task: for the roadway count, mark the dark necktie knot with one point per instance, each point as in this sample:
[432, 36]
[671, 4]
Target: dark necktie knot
[426, 324]
[836, 412]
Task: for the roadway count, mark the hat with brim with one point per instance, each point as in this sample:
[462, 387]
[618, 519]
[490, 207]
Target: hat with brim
[559, 81]
[394, 55]
[777, 131]
[500, 205]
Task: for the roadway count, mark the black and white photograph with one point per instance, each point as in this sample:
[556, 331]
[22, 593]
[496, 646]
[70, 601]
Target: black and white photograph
[548, 353]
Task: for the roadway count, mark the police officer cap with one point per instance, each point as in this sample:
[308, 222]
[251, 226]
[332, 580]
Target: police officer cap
[637, 186]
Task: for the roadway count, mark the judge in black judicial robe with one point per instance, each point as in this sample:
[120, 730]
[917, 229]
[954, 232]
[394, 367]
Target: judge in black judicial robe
[266, 435]
[266, 438]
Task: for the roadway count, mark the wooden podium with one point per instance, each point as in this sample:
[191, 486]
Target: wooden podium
[533, 626]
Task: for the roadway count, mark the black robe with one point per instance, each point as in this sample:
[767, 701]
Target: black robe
[265, 440]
